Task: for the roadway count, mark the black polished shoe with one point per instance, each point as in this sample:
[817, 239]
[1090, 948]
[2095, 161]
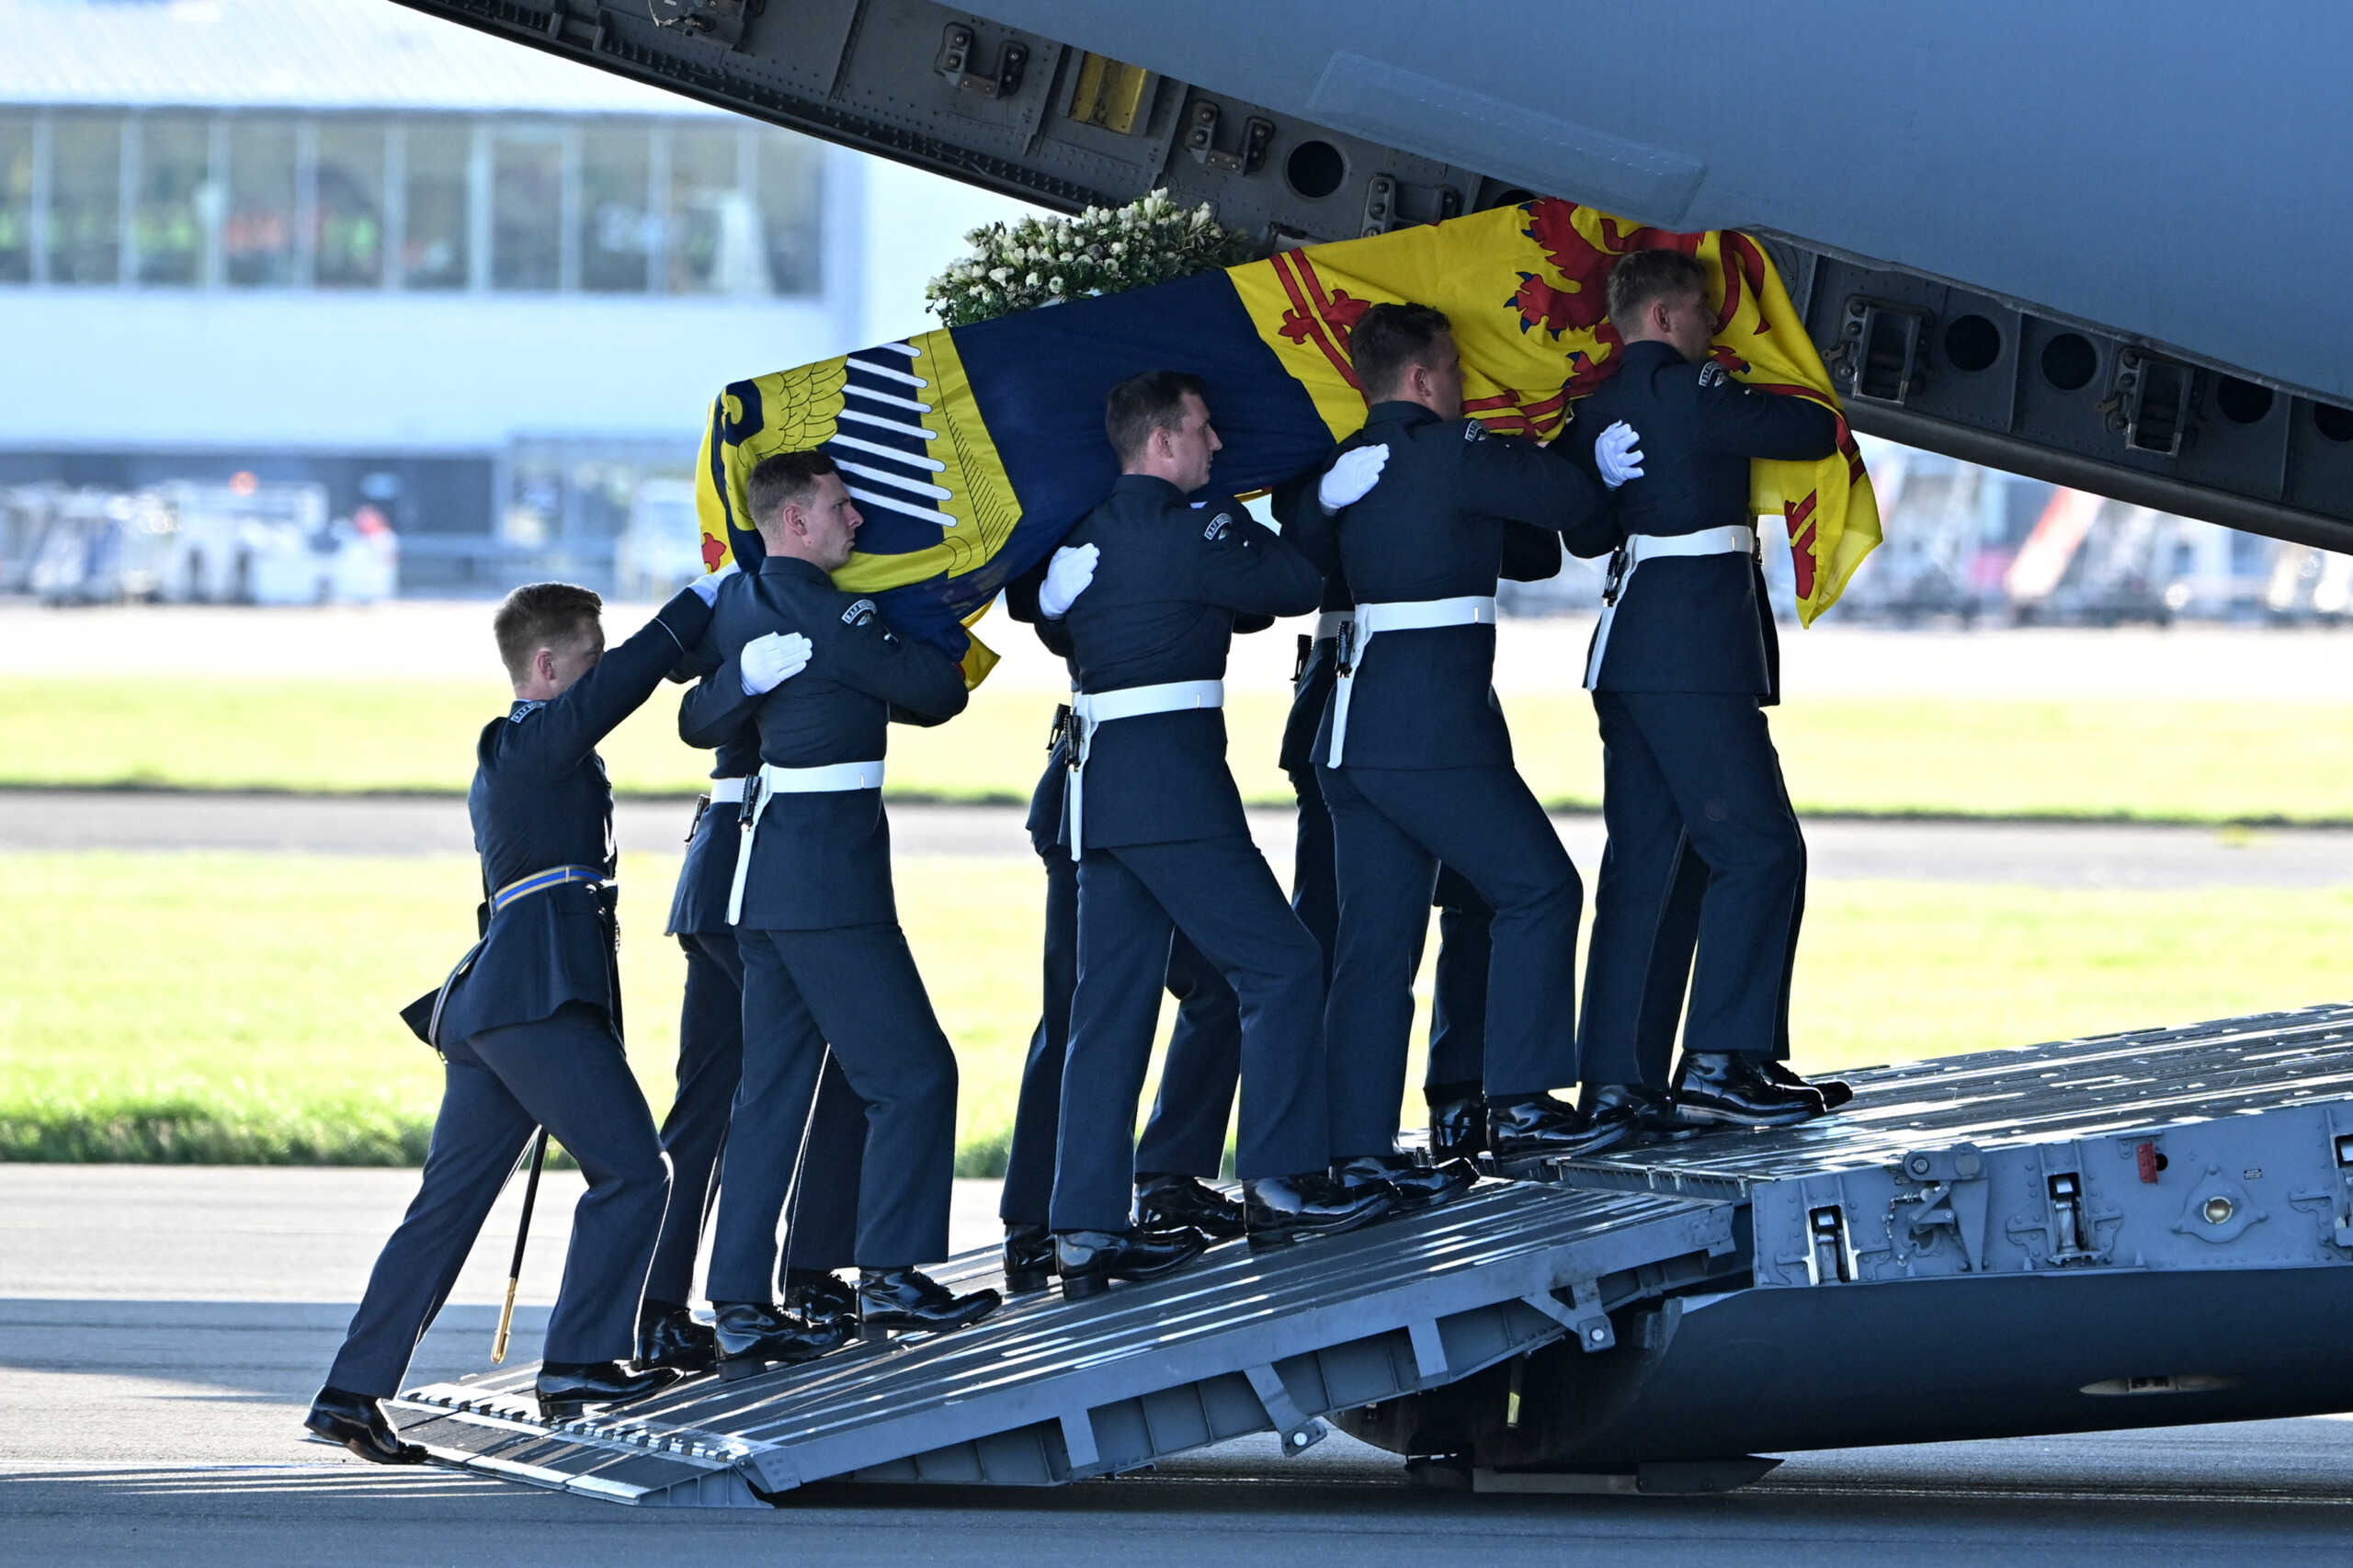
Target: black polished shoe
[1028, 1259]
[358, 1423]
[1718, 1088]
[1293, 1208]
[909, 1299]
[1834, 1092]
[1416, 1186]
[568, 1388]
[669, 1335]
[752, 1336]
[1458, 1121]
[1534, 1126]
[821, 1298]
[1174, 1202]
[1089, 1260]
[1638, 1107]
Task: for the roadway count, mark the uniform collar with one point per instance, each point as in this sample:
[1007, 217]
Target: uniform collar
[1398, 411]
[793, 566]
[1147, 484]
[1650, 350]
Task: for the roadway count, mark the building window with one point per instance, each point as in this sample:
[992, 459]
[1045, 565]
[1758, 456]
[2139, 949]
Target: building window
[16, 149]
[790, 218]
[713, 239]
[85, 198]
[257, 235]
[434, 253]
[617, 227]
[527, 209]
[349, 244]
[178, 199]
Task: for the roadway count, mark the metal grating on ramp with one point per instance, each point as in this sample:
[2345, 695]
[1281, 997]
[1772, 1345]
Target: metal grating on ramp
[1049, 1390]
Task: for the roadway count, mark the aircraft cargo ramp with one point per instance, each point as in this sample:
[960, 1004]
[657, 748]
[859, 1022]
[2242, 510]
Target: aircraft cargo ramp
[2135, 1230]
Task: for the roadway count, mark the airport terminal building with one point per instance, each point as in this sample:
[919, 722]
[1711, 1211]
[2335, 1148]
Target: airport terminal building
[484, 290]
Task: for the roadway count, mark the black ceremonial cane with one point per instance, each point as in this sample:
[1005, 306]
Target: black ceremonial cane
[522, 1234]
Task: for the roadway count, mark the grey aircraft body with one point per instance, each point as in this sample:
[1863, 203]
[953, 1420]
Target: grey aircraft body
[2095, 242]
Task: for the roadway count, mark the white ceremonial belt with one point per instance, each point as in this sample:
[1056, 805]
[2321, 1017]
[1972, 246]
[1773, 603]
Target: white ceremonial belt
[825, 781]
[1089, 710]
[726, 792]
[1733, 539]
[1333, 624]
[1403, 615]
[833, 778]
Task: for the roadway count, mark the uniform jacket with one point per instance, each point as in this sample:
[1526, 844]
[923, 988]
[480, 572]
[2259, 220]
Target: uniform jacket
[1433, 528]
[1173, 583]
[707, 873]
[1531, 555]
[541, 799]
[1695, 624]
[818, 861]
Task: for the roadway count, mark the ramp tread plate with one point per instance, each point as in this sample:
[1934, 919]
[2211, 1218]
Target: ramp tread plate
[1140, 1373]
[2070, 1089]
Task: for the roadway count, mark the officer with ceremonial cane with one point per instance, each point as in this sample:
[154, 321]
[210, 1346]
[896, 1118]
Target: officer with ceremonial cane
[1155, 825]
[1183, 1142]
[1415, 760]
[1703, 846]
[530, 1029]
[824, 960]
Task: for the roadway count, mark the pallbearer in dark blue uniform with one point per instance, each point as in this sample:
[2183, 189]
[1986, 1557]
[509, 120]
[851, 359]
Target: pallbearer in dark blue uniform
[1452, 1086]
[1183, 1142]
[1155, 825]
[710, 1059]
[530, 1028]
[1415, 762]
[710, 1062]
[824, 960]
[1702, 842]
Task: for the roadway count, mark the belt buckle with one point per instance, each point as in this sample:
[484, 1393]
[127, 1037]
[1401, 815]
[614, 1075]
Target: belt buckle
[1616, 580]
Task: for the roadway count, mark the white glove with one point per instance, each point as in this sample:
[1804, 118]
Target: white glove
[1066, 577]
[1616, 454]
[768, 662]
[1357, 471]
[707, 588]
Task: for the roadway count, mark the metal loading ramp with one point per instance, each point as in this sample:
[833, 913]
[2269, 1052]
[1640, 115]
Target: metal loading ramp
[1047, 1391]
[2137, 1230]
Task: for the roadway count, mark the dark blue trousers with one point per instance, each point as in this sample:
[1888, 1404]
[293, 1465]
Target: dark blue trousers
[1705, 853]
[856, 988]
[1219, 892]
[711, 1060]
[566, 1073]
[1391, 827]
[1459, 1011]
[1186, 1133]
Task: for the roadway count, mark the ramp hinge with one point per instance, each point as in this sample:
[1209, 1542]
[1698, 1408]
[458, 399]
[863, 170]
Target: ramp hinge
[1298, 1430]
[2341, 1145]
[1829, 1254]
[1584, 1316]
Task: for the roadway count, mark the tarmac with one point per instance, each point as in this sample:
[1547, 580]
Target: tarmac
[162, 1329]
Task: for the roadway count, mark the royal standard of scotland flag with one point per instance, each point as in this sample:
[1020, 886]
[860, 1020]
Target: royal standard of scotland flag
[973, 449]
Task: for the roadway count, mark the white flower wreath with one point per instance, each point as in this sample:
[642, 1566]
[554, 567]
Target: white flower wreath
[1043, 261]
